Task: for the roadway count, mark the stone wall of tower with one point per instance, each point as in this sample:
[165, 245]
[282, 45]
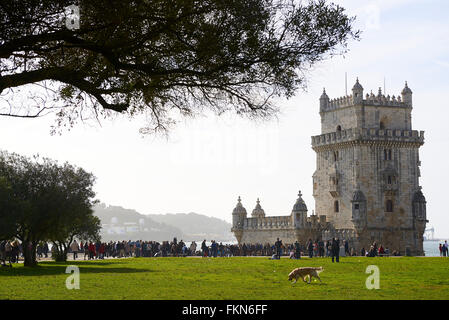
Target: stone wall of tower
[366, 116]
[391, 117]
[288, 236]
[343, 116]
[323, 185]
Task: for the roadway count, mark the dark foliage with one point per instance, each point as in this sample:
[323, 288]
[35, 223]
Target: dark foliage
[163, 58]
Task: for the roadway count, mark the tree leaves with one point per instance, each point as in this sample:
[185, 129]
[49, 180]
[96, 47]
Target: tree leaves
[162, 57]
[41, 200]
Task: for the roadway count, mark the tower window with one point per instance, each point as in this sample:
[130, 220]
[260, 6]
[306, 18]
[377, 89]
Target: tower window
[382, 125]
[356, 206]
[389, 179]
[387, 154]
[389, 206]
[336, 206]
[338, 128]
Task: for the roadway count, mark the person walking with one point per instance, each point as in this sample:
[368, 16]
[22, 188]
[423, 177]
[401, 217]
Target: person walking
[310, 248]
[46, 249]
[86, 250]
[193, 248]
[278, 246]
[214, 248]
[335, 249]
[92, 252]
[347, 248]
[74, 247]
[297, 250]
[445, 249]
[321, 248]
[204, 248]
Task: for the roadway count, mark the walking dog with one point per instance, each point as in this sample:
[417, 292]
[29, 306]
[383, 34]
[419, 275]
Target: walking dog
[304, 272]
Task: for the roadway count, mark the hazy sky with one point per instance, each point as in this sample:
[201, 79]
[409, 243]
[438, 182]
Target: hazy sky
[207, 163]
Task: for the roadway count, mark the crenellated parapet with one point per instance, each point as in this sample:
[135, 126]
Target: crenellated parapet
[370, 100]
[400, 101]
[363, 135]
[274, 222]
[284, 222]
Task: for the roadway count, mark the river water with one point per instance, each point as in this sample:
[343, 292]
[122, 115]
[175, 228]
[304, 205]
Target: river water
[431, 247]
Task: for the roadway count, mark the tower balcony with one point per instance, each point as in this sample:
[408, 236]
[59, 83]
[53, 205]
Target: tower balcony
[363, 135]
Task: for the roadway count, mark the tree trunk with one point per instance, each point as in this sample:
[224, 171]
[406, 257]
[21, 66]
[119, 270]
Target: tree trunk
[61, 254]
[29, 253]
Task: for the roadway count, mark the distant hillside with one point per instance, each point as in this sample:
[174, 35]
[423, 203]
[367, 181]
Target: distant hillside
[197, 226]
[126, 224]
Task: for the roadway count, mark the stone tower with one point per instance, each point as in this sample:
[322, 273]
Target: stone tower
[367, 170]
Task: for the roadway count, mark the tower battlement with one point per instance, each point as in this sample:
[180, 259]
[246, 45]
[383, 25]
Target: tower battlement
[370, 99]
[403, 101]
[368, 135]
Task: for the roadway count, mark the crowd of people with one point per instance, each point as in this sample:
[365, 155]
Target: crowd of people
[175, 248]
[123, 249]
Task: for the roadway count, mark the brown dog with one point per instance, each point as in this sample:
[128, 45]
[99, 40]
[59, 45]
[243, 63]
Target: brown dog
[304, 272]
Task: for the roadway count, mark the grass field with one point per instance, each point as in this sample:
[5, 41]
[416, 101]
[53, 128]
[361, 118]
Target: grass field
[228, 278]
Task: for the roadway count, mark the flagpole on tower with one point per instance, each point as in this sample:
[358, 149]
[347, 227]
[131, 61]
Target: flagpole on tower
[346, 83]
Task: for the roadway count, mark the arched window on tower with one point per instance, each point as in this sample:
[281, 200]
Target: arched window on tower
[389, 206]
[387, 154]
[336, 206]
[338, 128]
[381, 125]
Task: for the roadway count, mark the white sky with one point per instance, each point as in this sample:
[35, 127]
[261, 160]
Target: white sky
[207, 163]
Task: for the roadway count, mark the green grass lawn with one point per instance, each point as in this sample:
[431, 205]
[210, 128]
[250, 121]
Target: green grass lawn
[228, 278]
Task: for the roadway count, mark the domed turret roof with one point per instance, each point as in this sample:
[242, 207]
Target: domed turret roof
[357, 85]
[324, 94]
[358, 196]
[258, 211]
[406, 89]
[300, 205]
[239, 209]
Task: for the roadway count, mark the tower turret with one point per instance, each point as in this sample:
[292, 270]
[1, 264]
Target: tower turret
[324, 101]
[358, 209]
[299, 212]
[238, 215]
[357, 92]
[258, 212]
[238, 219]
[407, 95]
